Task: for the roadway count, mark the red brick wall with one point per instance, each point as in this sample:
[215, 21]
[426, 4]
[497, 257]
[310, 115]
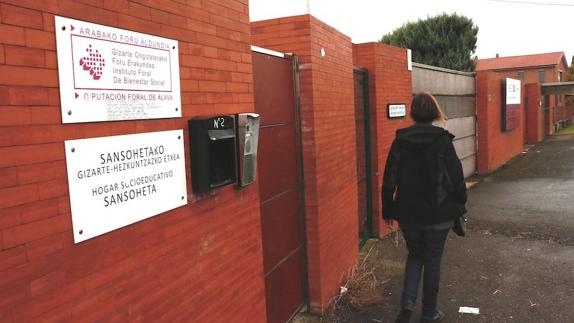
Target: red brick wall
[389, 82]
[551, 76]
[201, 262]
[495, 147]
[534, 120]
[328, 126]
[531, 76]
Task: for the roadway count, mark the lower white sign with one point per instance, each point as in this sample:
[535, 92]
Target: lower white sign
[396, 110]
[116, 181]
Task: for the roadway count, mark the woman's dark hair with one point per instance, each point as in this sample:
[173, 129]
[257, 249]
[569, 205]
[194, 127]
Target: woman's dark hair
[425, 108]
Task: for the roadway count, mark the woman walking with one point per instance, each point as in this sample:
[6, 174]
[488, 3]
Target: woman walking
[424, 190]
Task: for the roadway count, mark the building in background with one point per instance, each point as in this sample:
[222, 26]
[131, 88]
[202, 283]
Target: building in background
[233, 253]
[542, 68]
[536, 68]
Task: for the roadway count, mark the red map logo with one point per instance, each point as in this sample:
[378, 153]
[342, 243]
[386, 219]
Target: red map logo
[93, 62]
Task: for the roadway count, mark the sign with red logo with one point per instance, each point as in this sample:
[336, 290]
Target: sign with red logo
[109, 74]
[93, 63]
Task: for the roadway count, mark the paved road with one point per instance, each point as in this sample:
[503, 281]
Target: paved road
[517, 265]
[532, 196]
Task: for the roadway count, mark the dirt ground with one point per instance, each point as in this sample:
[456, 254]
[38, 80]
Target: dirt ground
[517, 262]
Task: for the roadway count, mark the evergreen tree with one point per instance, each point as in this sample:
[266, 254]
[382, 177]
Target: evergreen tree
[445, 40]
[570, 71]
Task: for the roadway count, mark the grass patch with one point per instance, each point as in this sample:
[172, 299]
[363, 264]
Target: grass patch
[566, 131]
[361, 291]
[363, 287]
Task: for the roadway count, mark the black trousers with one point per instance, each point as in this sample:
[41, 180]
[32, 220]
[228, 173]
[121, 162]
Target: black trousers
[425, 253]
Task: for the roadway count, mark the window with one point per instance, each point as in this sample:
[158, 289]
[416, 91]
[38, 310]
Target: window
[521, 75]
[560, 76]
[541, 76]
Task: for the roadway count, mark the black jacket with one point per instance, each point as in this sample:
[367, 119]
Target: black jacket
[423, 182]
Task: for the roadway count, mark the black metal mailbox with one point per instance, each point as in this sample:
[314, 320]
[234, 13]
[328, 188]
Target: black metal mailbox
[213, 152]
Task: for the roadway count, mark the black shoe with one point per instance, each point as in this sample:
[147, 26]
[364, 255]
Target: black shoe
[405, 314]
[439, 316]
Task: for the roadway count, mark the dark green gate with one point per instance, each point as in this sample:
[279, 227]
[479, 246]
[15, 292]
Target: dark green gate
[363, 144]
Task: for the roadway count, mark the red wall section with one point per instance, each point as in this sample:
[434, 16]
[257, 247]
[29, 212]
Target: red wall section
[534, 114]
[389, 82]
[201, 262]
[531, 75]
[495, 147]
[328, 126]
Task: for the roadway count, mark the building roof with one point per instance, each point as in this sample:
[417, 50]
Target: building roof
[524, 61]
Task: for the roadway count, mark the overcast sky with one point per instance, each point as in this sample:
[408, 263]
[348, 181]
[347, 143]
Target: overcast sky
[507, 27]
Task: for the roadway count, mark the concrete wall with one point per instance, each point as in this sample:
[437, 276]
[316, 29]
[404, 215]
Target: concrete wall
[442, 81]
[455, 92]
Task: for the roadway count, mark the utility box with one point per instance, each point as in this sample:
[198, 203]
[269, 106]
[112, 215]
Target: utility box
[213, 152]
[247, 142]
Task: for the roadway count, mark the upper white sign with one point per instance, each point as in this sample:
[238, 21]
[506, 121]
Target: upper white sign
[116, 181]
[114, 74]
[512, 91]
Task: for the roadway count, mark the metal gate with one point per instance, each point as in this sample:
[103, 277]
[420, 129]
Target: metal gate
[363, 154]
[280, 184]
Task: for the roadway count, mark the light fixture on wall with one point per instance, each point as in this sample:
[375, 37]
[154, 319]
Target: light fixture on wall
[323, 52]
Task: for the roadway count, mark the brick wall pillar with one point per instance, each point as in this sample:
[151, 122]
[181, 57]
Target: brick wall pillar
[389, 82]
[495, 147]
[534, 117]
[329, 154]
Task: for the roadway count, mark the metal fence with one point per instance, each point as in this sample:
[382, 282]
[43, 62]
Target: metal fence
[562, 113]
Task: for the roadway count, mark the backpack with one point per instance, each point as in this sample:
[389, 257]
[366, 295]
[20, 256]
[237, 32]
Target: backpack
[433, 183]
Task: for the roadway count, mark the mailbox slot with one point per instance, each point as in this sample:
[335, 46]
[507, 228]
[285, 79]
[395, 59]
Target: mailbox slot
[213, 152]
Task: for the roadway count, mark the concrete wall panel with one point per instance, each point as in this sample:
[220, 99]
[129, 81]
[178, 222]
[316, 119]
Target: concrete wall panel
[465, 147]
[469, 166]
[441, 81]
[457, 106]
[462, 127]
[455, 92]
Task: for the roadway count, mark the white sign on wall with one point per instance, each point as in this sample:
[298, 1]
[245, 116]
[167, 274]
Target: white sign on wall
[513, 88]
[396, 110]
[114, 74]
[116, 181]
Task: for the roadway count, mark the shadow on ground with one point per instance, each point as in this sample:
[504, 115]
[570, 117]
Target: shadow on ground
[508, 279]
[515, 265]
